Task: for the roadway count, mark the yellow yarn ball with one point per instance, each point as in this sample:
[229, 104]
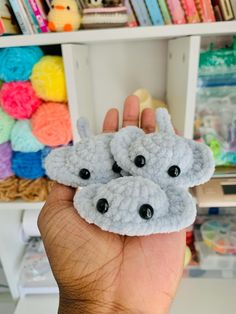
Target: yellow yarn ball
[48, 79]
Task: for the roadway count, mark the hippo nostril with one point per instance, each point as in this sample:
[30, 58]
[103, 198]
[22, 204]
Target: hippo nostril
[102, 205]
[146, 211]
[116, 168]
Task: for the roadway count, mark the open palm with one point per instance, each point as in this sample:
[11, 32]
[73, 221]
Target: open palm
[101, 272]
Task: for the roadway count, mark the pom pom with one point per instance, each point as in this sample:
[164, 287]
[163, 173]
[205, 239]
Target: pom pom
[9, 189]
[51, 124]
[27, 165]
[48, 79]
[6, 125]
[22, 138]
[16, 63]
[18, 99]
[34, 190]
[5, 160]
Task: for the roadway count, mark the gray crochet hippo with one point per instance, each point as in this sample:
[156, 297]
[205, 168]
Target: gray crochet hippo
[163, 157]
[135, 206]
[88, 161]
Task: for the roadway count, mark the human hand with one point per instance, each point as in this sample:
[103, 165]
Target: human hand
[101, 272]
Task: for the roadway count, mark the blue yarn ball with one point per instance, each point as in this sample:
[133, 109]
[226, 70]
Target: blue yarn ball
[27, 165]
[22, 138]
[16, 63]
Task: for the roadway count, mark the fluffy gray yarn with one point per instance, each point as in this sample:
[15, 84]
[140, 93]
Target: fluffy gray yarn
[91, 153]
[173, 207]
[163, 150]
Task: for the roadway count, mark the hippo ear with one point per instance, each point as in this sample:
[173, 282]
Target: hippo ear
[120, 145]
[203, 164]
[164, 121]
[57, 165]
[83, 128]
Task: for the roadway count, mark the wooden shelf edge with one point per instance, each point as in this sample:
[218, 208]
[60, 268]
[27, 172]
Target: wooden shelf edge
[121, 34]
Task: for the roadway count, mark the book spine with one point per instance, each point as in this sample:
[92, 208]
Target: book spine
[154, 12]
[140, 13]
[31, 16]
[21, 17]
[176, 11]
[145, 13]
[165, 12]
[205, 10]
[41, 20]
[223, 10]
[132, 21]
[190, 11]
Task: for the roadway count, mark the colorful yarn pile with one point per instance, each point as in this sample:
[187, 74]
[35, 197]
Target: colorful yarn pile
[33, 113]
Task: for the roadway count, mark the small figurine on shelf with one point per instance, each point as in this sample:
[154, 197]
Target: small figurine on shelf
[94, 3]
[64, 16]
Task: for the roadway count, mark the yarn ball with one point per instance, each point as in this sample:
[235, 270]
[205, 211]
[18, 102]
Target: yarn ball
[18, 99]
[22, 138]
[9, 189]
[34, 190]
[27, 165]
[16, 63]
[6, 125]
[45, 153]
[51, 124]
[5, 160]
[48, 79]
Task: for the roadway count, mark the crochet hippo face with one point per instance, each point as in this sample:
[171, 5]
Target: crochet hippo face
[135, 206]
[163, 157]
[87, 162]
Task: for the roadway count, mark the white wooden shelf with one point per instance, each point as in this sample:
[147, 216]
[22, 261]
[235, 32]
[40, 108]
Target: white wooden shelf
[21, 205]
[121, 34]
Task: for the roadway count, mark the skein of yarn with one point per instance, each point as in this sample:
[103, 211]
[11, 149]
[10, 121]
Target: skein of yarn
[48, 79]
[22, 138]
[18, 99]
[6, 125]
[16, 63]
[51, 124]
[9, 189]
[5, 160]
[27, 165]
[34, 190]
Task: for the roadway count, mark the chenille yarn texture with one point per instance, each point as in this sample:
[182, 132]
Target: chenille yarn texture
[22, 138]
[9, 189]
[171, 209]
[6, 125]
[18, 99]
[163, 157]
[16, 63]
[51, 124]
[48, 79]
[5, 160]
[27, 165]
[88, 161]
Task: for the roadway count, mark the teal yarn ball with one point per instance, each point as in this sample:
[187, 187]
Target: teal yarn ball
[16, 63]
[22, 138]
[6, 125]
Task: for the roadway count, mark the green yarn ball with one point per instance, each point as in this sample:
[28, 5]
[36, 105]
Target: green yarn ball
[6, 125]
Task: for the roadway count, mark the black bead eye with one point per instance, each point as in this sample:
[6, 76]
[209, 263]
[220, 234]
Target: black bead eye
[68, 8]
[116, 168]
[84, 174]
[52, 6]
[174, 171]
[140, 161]
[146, 211]
[102, 206]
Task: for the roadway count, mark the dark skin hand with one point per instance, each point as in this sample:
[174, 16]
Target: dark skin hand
[101, 272]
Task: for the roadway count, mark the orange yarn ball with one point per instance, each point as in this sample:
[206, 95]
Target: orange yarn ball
[51, 124]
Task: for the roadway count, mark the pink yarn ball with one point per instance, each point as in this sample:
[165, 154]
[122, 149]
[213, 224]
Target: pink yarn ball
[51, 124]
[18, 99]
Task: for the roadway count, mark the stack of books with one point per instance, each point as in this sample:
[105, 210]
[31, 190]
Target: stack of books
[31, 15]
